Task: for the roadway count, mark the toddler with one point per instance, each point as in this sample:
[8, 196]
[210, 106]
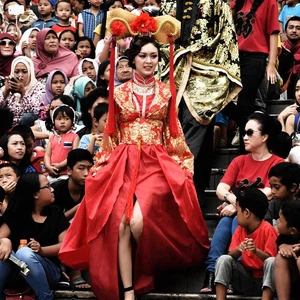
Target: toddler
[46, 9]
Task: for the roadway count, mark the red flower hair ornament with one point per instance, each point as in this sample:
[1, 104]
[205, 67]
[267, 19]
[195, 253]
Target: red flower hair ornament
[144, 25]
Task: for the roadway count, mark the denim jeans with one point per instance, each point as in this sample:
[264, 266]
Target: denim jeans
[220, 241]
[43, 274]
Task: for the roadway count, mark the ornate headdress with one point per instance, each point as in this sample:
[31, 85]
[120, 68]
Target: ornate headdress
[164, 29]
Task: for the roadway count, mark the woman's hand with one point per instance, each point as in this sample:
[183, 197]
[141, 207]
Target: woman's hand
[53, 171]
[290, 110]
[228, 211]
[107, 39]
[17, 86]
[34, 245]
[74, 78]
[271, 73]
[5, 248]
[25, 49]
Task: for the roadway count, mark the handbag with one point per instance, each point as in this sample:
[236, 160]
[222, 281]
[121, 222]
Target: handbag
[25, 293]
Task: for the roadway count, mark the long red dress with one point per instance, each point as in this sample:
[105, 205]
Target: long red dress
[144, 161]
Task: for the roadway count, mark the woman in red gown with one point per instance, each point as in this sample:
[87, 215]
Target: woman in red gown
[140, 213]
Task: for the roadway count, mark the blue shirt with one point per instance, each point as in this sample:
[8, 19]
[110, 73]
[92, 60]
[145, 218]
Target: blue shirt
[41, 24]
[287, 12]
[90, 21]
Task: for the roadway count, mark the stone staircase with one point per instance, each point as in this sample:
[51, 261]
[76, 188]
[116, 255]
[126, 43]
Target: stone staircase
[185, 284]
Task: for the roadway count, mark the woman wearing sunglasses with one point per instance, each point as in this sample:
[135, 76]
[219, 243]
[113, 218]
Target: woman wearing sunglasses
[31, 217]
[250, 170]
[7, 51]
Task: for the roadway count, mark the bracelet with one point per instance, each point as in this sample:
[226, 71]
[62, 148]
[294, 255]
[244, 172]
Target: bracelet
[225, 196]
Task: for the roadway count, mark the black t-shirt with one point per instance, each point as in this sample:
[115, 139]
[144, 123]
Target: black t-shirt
[45, 233]
[62, 195]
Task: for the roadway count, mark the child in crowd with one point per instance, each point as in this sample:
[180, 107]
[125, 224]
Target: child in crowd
[68, 195]
[91, 141]
[9, 175]
[46, 9]
[28, 42]
[138, 6]
[61, 142]
[55, 85]
[284, 183]
[287, 261]
[10, 18]
[63, 14]
[88, 19]
[84, 48]
[31, 217]
[103, 74]
[67, 38]
[28, 16]
[88, 67]
[254, 240]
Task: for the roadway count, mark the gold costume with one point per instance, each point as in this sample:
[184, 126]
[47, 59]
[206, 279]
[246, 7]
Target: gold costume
[207, 73]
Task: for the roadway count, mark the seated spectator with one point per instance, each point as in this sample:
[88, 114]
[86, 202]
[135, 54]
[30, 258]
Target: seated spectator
[92, 141]
[84, 48]
[46, 10]
[28, 42]
[30, 216]
[55, 57]
[250, 170]
[103, 75]
[55, 85]
[8, 17]
[68, 195]
[14, 150]
[9, 175]
[28, 17]
[90, 102]
[67, 39]
[123, 71]
[254, 240]
[22, 92]
[15, 32]
[7, 51]
[88, 67]
[61, 143]
[287, 261]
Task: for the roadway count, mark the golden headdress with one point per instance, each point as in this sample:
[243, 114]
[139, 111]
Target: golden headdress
[164, 29]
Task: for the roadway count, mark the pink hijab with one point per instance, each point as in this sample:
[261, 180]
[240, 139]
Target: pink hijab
[65, 60]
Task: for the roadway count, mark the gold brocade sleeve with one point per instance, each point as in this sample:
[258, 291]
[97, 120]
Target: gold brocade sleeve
[178, 149]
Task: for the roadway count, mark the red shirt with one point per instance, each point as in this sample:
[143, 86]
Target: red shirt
[253, 33]
[246, 171]
[58, 28]
[264, 238]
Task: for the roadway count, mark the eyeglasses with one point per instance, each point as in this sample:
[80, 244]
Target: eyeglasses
[7, 43]
[48, 186]
[249, 132]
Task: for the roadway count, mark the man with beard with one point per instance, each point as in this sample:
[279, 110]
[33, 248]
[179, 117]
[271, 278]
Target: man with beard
[292, 44]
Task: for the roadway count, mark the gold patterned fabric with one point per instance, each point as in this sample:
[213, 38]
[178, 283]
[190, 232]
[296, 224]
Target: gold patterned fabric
[207, 73]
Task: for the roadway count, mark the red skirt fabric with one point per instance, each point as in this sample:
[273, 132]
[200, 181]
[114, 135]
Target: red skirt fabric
[174, 232]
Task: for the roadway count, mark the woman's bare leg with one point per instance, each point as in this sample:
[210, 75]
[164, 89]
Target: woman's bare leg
[136, 222]
[125, 258]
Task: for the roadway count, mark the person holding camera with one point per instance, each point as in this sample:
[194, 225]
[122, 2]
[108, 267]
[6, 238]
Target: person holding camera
[22, 92]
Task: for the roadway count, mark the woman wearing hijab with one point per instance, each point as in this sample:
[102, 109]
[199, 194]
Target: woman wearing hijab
[22, 92]
[88, 67]
[7, 51]
[82, 87]
[51, 56]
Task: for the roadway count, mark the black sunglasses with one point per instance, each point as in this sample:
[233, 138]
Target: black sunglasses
[249, 132]
[9, 43]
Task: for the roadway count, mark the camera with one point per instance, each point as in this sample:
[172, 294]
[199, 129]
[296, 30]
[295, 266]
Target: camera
[16, 10]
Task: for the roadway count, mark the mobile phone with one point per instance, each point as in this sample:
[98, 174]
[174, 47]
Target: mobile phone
[16, 10]
[13, 79]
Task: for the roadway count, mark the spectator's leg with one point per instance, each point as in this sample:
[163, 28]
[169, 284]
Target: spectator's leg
[282, 275]
[43, 274]
[268, 280]
[5, 267]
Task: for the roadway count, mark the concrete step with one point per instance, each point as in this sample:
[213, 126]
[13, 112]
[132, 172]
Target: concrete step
[223, 157]
[277, 106]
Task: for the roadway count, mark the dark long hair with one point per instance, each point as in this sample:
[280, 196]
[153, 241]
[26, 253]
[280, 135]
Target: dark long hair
[101, 83]
[85, 38]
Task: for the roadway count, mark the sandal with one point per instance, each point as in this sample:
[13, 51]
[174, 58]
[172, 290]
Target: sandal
[209, 283]
[80, 281]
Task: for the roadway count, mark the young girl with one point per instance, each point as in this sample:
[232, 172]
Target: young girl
[31, 217]
[67, 39]
[14, 149]
[55, 85]
[61, 142]
[88, 19]
[91, 141]
[138, 6]
[84, 48]
[88, 67]
[103, 74]
[28, 42]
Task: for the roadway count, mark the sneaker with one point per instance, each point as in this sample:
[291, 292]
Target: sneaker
[236, 139]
